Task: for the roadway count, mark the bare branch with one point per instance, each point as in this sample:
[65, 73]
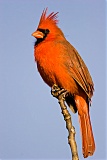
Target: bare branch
[60, 94]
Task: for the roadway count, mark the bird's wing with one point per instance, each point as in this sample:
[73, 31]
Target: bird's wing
[79, 70]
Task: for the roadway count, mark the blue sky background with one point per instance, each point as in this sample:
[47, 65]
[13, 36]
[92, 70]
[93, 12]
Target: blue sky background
[31, 123]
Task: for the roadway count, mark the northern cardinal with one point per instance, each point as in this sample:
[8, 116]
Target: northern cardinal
[59, 63]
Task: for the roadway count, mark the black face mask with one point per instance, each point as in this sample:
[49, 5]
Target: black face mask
[45, 32]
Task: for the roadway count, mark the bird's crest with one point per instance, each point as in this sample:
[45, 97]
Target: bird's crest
[51, 18]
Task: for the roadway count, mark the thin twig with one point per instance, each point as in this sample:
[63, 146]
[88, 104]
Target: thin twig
[60, 94]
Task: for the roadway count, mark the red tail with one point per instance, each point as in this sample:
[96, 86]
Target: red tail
[88, 144]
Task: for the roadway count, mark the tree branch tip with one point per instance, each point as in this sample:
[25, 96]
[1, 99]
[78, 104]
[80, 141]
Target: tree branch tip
[61, 95]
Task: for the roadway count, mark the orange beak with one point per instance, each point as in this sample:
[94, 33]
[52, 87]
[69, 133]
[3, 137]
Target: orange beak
[38, 34]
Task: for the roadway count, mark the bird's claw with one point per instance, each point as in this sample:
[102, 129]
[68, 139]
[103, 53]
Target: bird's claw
[56, 91]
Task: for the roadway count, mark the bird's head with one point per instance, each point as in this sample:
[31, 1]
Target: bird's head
[47, 28]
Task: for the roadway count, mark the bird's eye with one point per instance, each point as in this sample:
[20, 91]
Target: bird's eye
[46, 31]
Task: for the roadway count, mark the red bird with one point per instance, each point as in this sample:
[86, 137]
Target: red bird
[59, 63]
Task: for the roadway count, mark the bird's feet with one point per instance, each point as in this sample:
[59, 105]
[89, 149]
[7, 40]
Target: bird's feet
[56, 92]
